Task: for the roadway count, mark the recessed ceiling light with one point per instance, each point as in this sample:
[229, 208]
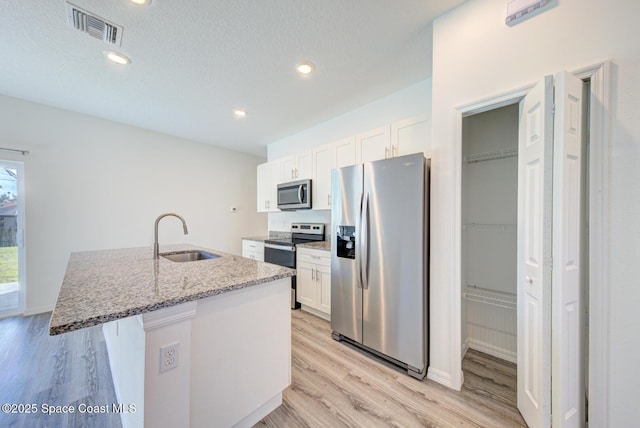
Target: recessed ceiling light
[240, 112]
[117, 57]
[306, 68]
[141, 2]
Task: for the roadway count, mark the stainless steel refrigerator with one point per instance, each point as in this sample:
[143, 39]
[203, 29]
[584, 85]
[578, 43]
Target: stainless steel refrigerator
[380, 259]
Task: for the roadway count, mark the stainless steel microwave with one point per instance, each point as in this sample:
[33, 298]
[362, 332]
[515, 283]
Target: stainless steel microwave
[295, 195]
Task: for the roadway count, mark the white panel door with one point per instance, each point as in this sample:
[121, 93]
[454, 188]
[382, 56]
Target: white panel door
[567, 371]
[535, 169]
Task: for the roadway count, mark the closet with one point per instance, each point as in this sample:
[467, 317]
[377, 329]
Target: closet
[489, 214]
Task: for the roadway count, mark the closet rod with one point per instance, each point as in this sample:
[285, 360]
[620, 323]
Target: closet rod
[24, 152]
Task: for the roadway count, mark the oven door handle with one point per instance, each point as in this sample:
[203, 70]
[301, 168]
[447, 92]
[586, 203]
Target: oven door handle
[280, 247]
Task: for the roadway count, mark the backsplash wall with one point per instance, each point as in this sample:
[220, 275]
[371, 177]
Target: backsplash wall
[281, 221]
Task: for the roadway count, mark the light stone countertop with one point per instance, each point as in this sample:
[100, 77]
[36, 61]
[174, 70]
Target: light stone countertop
[321, 245]
[103, 286]
[256, 238]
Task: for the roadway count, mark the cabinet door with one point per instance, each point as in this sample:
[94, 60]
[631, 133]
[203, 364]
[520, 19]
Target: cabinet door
[303, 167]
[262, 187]
[375, 144]
[272, 185]
[324, 288]
[253, 250]
[287, 169]
[306, 284]
[343, 153]
[321, 179]
[410, 136]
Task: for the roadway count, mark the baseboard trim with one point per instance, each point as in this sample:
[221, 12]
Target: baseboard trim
[261, 412]
[317, 313]
[495, 351]
[465, 348]
[38, 310]
[440, 376]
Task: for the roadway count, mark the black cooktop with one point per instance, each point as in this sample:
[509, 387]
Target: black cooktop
[293, 240]
[300, 233]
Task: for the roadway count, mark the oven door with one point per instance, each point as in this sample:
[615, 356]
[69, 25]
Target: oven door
[283, 255]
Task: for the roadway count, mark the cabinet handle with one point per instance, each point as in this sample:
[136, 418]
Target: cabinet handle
[297, 172]
[386, 152]
[313, 274]
[329, 199]
[393, 151]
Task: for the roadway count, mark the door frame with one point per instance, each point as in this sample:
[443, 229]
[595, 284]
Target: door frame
[599, 135]
[20, 238]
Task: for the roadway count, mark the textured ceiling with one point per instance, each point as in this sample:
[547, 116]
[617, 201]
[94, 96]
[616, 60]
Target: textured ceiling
[193, 62]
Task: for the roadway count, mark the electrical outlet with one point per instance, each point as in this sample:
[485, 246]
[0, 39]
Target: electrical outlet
[169, 356]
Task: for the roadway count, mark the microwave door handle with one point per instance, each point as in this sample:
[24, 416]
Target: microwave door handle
[300, 193]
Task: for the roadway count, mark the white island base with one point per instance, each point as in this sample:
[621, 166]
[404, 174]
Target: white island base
[233, 359]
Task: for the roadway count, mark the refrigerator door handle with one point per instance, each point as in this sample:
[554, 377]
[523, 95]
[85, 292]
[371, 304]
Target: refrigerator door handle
[358, 248]
[364, 242]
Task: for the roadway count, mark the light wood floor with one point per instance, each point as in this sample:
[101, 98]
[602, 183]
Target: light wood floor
[336, 385]
[68, 369]
[333, 384]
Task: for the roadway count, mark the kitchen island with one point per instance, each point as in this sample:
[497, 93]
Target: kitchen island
[199, 343]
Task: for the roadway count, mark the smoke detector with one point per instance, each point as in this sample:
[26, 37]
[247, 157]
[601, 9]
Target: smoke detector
[93, 25]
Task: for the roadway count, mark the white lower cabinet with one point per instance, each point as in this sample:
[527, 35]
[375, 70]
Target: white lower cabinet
[253, 250]
[314, 281]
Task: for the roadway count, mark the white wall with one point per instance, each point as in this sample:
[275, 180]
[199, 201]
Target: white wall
[476, 56]
[408, 102]
[411, 101]
[94, 184]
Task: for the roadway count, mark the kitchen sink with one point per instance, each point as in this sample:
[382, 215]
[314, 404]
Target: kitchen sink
[189, 256]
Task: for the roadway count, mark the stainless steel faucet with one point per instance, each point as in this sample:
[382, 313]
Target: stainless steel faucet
[156, 247]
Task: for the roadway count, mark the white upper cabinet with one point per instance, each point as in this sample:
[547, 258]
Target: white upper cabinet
[397, 139]
[374, 145]
[268, 177]
[410, 135]
[321, 178]
[296, 167]
[343, 153]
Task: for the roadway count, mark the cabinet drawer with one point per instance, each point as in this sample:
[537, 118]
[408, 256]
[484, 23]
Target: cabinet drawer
[253, 246]
[319, 257]
[253, 255]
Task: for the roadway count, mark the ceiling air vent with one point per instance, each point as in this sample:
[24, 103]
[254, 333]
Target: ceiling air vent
[93, 25]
